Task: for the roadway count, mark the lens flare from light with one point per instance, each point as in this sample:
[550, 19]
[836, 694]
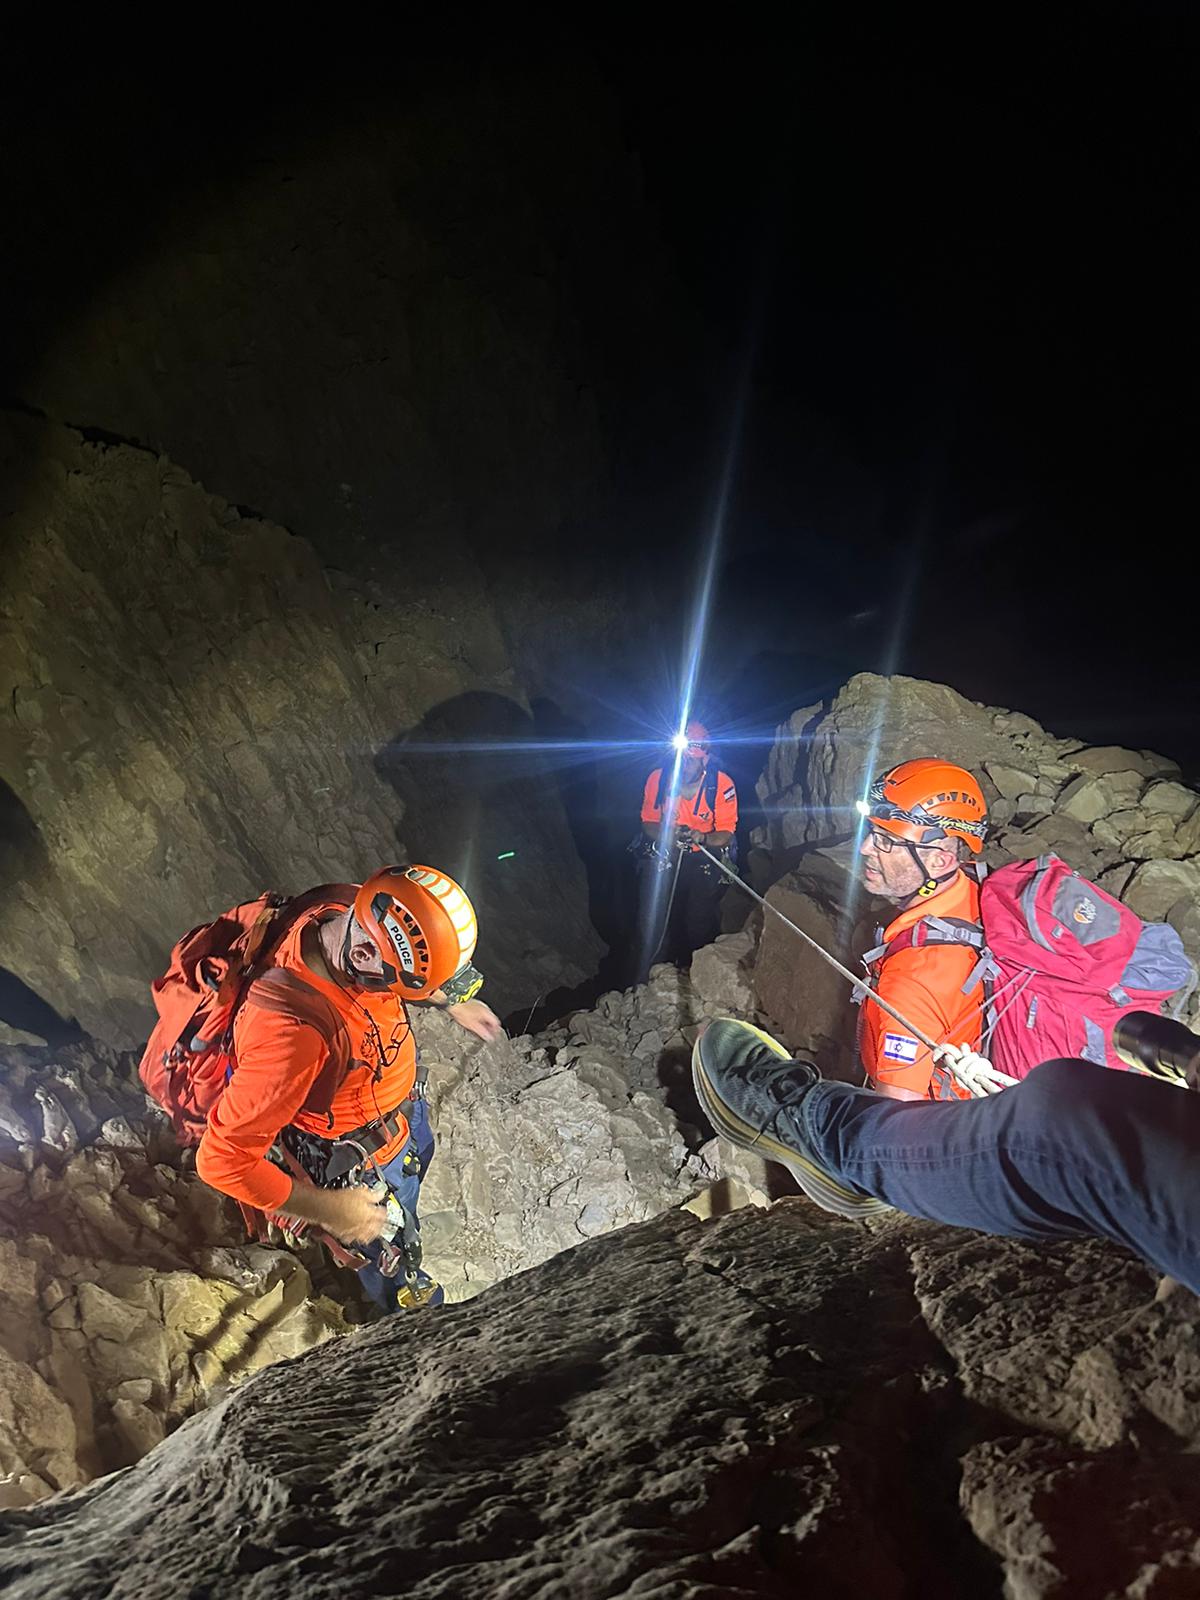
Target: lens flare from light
[694, 648]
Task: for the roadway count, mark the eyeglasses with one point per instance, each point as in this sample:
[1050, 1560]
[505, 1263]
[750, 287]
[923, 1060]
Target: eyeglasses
[884, 843]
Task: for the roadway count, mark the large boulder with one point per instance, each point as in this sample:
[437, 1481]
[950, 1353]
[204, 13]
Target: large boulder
[765, 1404]
[825, 756]
[720, 973]
[540, 1146]
[792, 984]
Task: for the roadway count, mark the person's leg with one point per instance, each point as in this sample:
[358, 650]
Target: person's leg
[1074, 1149]
[403, 1175]
[421, 1132]
[701, 919]
[654, 906]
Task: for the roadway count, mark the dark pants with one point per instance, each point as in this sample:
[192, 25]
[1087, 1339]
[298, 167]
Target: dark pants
[1071, 1150]
[403, 1175]
[694, 917]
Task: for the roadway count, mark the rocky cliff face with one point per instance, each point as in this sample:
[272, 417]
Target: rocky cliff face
[193, 714]
[766, 1404]
[358, 324]
[130, 1298]
[362, 319]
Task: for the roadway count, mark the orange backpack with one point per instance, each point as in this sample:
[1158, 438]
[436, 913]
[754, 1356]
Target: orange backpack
[214, 970]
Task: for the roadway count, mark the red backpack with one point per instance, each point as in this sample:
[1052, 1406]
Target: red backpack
[214, 970]
[1061, 962]
[1066, 961]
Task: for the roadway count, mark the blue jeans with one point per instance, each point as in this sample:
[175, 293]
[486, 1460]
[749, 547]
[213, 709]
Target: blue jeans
[1071, 1150]
[403, 1175]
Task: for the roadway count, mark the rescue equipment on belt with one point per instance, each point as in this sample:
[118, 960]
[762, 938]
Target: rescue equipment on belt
[342, 1162]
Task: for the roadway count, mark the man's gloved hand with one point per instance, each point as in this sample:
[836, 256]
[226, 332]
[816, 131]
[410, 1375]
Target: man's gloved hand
[975, 1072]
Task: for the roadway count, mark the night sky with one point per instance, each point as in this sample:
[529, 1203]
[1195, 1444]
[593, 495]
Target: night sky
[950, 273]
[965, 268]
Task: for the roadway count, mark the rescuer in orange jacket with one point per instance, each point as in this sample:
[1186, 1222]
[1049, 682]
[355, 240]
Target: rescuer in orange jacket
[362, 958]
[926, 821]
[679, 888]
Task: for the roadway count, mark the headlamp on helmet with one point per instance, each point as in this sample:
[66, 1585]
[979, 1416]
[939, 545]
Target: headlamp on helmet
[692, 741]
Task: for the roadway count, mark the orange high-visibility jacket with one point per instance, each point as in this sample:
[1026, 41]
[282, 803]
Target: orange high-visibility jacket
[694, 813]
[925, 984]
[277, 1060]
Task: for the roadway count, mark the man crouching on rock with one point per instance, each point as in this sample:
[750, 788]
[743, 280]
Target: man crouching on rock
[318, 1116]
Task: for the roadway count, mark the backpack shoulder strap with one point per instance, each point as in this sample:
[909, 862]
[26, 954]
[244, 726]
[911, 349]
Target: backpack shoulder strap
[953, 930]
[285, 993]
[931, 930]
[658, 798]
[711, 779]
[267, 933]
[252, 948]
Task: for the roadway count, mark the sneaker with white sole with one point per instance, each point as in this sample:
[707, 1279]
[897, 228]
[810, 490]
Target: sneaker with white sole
[750, 1089]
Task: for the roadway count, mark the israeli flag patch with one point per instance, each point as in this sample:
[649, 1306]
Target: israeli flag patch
[899, 1047]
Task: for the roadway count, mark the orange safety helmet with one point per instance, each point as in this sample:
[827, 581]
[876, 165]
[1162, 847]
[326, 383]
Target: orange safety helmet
[422, 924]
[923, 801]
